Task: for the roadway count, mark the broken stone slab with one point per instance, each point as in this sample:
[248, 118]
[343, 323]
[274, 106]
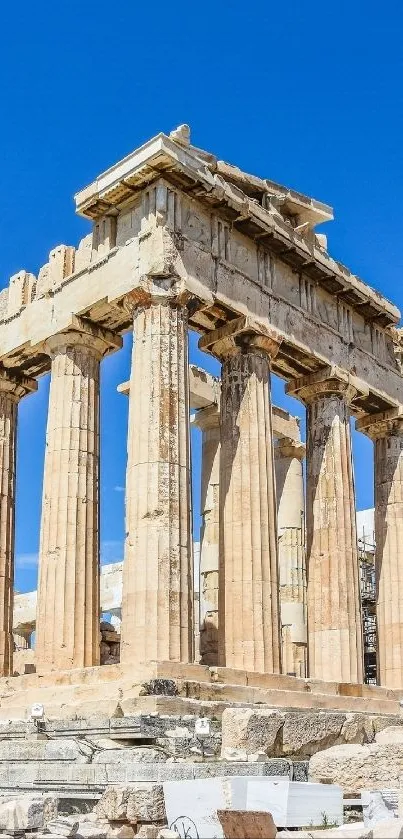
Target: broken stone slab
[298, 734]
[247, 730]
[305, 733]
[117, 830]
[39, 750]
[355, 768]
[63, 827]
[26, 812]
[130, 755]
[390, 736]
[88, 830]
[137, 802]
[358, 728]
[379, 805]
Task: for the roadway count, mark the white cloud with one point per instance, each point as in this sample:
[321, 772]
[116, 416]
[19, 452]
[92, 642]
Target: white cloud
[118, 489]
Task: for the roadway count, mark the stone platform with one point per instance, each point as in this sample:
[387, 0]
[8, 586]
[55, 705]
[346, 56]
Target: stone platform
[172, 688]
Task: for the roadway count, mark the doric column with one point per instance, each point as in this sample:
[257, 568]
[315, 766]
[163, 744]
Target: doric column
[248, 635]
[11, 391]
[157, 581]
[386, 429]
[288, 457]
[21, 640]
[334, 611]
[67, 627]
[208, 420]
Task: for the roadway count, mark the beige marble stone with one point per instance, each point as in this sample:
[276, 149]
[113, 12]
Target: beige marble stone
[334, 612]
[248, 632]
[387, 432]
[238, 246]
[67, 626]
[157, 581]
[208, 420]
[11, 391]
[288, 456]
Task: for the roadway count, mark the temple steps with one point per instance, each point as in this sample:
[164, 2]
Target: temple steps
[175, 688]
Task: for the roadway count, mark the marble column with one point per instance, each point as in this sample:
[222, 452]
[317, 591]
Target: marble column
[68, 613]
[249, 629]
[11, 391]
[157, 603]
[334, 612]
[288, 457]
[21, 640]
[208, 420]
[386, 429]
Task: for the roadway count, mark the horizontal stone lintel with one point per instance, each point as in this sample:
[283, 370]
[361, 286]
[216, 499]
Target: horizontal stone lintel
[97, 292]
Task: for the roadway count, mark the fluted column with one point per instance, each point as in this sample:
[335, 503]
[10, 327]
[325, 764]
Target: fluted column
[386, 429]
[67, 626]
[334, 610]
[11, 391]
[288, 456]
[248, 636]
[208, 420]
[157, 600]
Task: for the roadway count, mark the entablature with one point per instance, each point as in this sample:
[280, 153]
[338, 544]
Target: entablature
[169, 209]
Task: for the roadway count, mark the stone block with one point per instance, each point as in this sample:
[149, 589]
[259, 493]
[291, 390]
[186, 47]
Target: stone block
[40, 750]
[250, 730]
[385, 721]
[348, 831]
[390, 736]
[192, 806]
[390, 829]
[137, 802]
[358, 728]
[357, 768]
[64, 827]
[379, 805]
[122, 756]
[26, 812]
[113, 804]
[254, 825]
[300, 770]
[89, 830]
[117, 830]
[146, 803]
[306, 733]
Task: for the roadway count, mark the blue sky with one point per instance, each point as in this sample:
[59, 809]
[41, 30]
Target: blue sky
[308, 94]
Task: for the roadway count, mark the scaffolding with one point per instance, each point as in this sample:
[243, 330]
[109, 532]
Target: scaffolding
[366, 557]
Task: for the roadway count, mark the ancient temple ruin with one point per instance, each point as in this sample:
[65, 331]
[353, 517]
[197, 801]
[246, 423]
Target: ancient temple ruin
[183, 241]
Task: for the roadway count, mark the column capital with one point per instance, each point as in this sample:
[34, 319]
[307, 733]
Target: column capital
[326, 382]
[241, 335]
[165, 291]
[14, 386]
[287, 447]
[381, 424]
[83, 332]
[207, 418]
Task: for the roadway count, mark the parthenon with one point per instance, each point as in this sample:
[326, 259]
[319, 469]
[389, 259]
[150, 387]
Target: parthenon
[182, 241]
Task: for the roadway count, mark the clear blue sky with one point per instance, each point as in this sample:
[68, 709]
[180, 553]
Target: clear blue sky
[308, 94]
